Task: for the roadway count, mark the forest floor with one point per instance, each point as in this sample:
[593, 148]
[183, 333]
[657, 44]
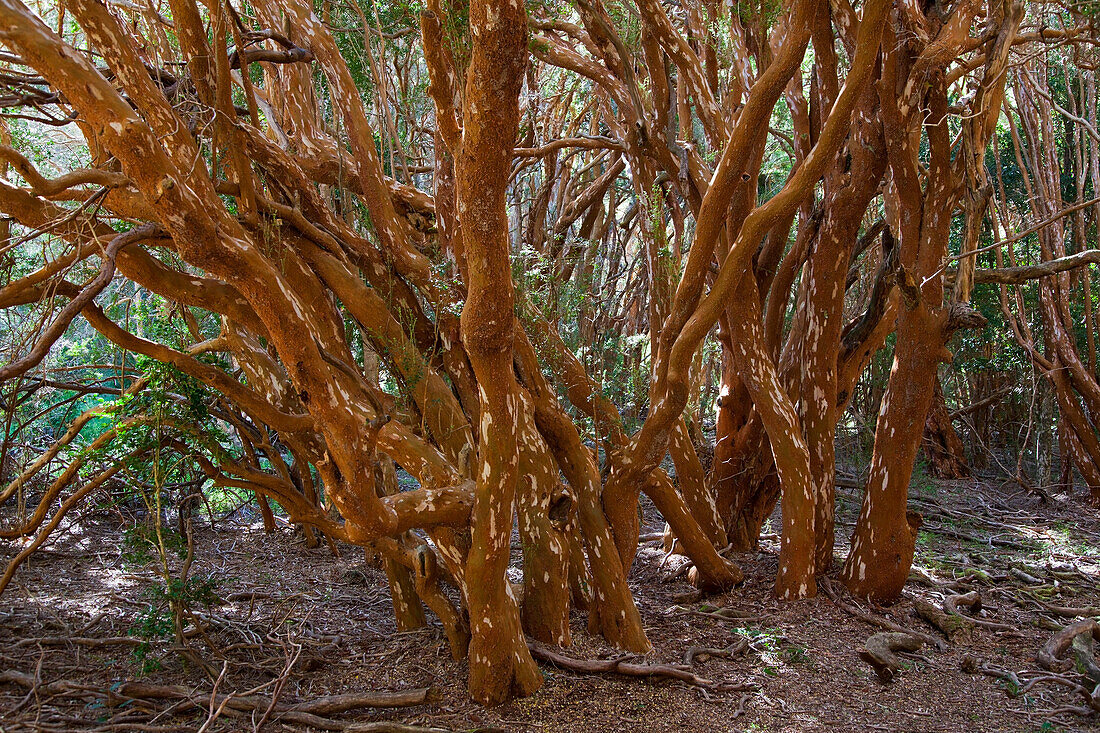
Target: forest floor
[298, 624]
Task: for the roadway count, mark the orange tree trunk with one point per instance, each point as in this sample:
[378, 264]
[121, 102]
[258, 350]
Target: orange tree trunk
[500, 663]
[824, 302]
[883, 541]
[913, 95]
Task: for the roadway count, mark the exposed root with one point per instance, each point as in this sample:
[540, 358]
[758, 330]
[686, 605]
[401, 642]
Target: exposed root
[311, 713]
[78, 641]
[1011, 679]
[1050, 656]
[722, 614]
[1066, 611]
[386, 726]
[632, 669]
[703, 653]
[1018, 684]
[958, 629]
[882, 623]
[973, 601]
[878, 651]
[1025, 577]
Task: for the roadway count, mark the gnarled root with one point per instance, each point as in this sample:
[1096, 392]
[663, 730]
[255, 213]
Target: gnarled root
[973, 601]
[878, 651]
[1049, 657]
[631, 669]
[955, 627]
[702, 653]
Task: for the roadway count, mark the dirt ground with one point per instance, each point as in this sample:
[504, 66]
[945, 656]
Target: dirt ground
[299, 623]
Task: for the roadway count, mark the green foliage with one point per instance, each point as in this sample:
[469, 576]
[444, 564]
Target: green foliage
[140, 542]
[156, 622]
[152, 625]
[795, 654]
[1010, 687]
[172, 595]
[617, 362]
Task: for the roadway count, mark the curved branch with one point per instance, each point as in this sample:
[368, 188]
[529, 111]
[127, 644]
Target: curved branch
[55, 330]
[46, 187]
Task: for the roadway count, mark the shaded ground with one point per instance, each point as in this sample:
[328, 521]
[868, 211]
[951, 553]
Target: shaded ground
[300, 623]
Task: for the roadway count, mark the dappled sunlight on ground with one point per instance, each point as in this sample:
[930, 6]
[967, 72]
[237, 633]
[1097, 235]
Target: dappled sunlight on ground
[279, 604]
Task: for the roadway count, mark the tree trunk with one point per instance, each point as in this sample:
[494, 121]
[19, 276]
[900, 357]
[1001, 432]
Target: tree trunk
[500, 663]
[945, 450]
